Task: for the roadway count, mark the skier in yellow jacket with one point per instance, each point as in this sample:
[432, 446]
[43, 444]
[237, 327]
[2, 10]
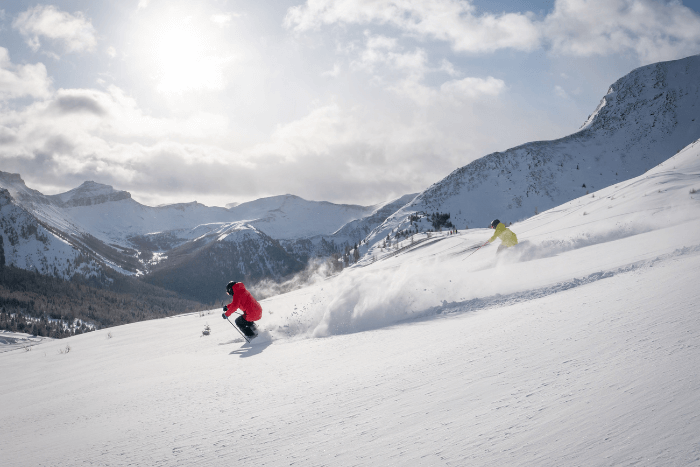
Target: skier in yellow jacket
[508, 238]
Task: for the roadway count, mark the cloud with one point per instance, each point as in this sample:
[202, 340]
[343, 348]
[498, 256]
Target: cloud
[450, 93]
[83, 133]
[74, 32]
[453, 21]
[397, 69]
[7, 136]
[223, 19]
[334, 72]
[384, 52]
[448, 67]
[384, 58]
[22, 80]
[560, 92]
[651, 29]
[471, 88]
[422, 117]
[192, 73]
[365, 153]
[121, 119]
[78, 104]
[356, 153]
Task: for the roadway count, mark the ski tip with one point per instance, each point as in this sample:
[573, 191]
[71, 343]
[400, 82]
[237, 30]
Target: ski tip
[262, 338]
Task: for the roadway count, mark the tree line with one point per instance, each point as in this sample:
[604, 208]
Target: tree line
[53, 307]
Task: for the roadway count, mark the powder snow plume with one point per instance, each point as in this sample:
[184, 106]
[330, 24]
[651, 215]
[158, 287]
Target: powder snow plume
[446, 273]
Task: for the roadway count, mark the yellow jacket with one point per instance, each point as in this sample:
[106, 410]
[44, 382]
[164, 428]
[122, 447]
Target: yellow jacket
[507, 237]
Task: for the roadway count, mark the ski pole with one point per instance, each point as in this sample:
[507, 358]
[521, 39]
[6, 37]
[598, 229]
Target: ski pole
[476, 250]
[239, 331]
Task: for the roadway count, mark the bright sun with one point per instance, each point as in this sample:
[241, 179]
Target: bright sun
[185, 56]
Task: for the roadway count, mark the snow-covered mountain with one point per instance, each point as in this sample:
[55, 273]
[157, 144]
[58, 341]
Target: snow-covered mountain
[349, 234]
[275, 236]
[645, 118]
[199, 269]
[580, 347]
[27, 244]
[88, 194]
[290, 217]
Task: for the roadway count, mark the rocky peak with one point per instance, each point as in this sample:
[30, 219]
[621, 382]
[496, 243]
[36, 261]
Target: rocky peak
[90, 193]
[655, 97]
[5, 197]
[19, 190]
[14, 179]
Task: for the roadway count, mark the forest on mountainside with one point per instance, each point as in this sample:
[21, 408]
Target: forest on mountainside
[52, 307]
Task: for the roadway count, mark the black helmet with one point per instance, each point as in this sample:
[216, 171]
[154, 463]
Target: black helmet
[495, 223]
[229, 287]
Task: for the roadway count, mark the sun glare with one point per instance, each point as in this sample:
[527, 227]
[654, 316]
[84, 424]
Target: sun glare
[185, 57]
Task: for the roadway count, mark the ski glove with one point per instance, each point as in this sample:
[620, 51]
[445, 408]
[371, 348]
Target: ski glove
[223, 315]
[225, 307]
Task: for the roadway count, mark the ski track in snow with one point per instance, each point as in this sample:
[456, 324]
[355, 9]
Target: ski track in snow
[535, 294]
[16, 340]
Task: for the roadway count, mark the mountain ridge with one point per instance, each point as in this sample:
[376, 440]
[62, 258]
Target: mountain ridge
[645, 118]
[173, 242]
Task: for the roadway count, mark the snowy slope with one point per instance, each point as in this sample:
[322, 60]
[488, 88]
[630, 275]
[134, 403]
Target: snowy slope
[42, 207]
[578, 347]
[655, 203]
[27, 244]
[645, 118]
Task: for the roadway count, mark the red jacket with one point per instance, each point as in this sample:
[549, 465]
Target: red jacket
[252, 311]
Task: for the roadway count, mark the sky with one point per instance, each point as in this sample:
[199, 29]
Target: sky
[345, 101]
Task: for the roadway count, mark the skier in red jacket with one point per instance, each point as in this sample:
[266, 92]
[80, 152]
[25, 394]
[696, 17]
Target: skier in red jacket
[252, 311]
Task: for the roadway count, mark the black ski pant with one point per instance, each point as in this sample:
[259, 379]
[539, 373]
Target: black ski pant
[248, 327]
